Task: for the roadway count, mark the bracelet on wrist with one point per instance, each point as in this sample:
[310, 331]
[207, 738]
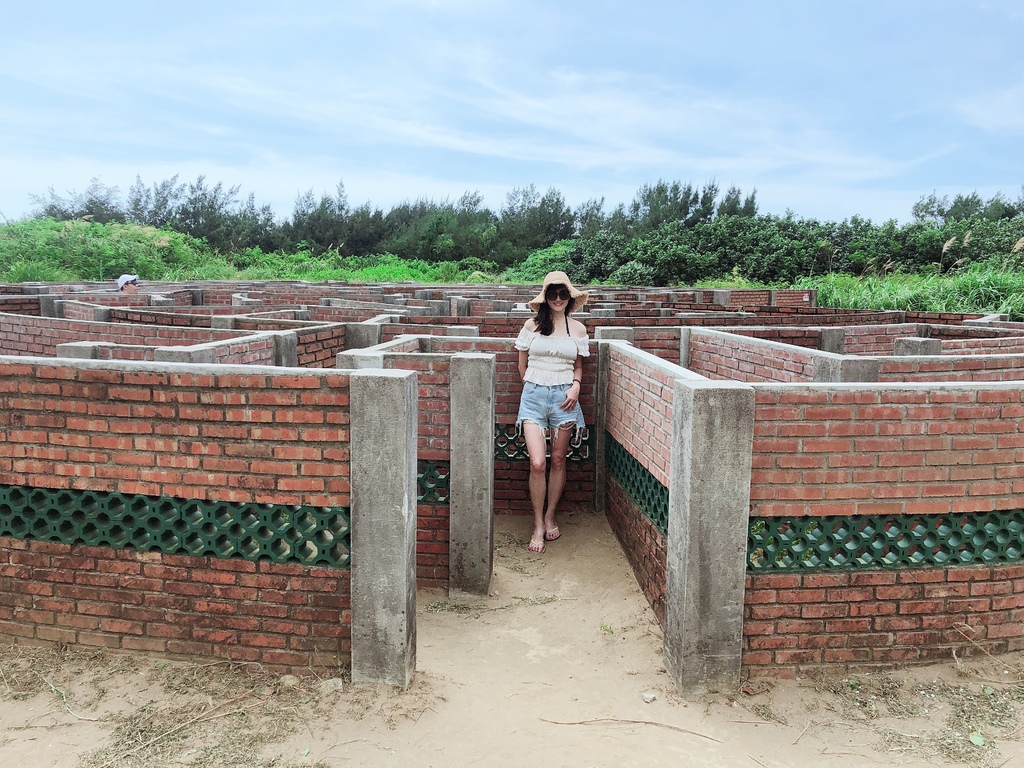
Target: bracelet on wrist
[577, 381]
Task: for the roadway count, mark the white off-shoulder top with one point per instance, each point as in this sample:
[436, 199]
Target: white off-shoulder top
[552, 358]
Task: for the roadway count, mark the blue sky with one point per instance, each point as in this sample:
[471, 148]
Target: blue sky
[828, 109]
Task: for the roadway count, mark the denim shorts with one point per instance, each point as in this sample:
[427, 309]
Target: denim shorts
[543, 406]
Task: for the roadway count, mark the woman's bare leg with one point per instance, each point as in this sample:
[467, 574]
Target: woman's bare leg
[556, 478]
[536, 446]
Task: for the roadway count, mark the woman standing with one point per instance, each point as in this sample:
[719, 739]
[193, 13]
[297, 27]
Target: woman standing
[551, 347]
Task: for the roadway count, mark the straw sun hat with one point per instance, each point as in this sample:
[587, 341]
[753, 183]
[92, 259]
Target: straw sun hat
[579, 298]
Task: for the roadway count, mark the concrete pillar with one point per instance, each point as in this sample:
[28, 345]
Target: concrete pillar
[83, 350]
[600, 406]
[286, 349]
[709, 504]
[684, 347]
[200, 354]
[610, 332]
[362, 335]
[225, 322]
[101, 314]
[720, 297]
[359, 360]
[832, 340]
[382, 467]
[51, 306]
[471, 479]
[844, 368]
[913, 346]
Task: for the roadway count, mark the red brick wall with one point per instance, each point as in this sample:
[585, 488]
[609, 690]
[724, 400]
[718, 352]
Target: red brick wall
[1006, 345]
[642, 543]
[316, 346]
[937, 368]
[195, 318]
[257, 438]
[663, 342]
[251, 350]
[749, 298]
[20, 305]
[806, 620]
[733, 357]
[809, 338]
[23, 335]
[261, 438]
[638, 410]
[287, 617]
[792, 298]
[887, 450]
[876, 339]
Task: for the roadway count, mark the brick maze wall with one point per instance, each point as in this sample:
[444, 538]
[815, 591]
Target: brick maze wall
[879, 617]
[24, 335]
[899, 450]
[256, 437]
[732, 357]
[286, 617]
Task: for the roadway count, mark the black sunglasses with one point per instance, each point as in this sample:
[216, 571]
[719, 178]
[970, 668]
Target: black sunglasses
[558, 293]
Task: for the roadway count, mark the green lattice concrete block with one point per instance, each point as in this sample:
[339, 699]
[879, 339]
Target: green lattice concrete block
[307, 535]
[862, 541]
[432, 481]
[510, 445]
[646, 491]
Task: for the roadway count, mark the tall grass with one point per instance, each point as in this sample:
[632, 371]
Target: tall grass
[983, 287]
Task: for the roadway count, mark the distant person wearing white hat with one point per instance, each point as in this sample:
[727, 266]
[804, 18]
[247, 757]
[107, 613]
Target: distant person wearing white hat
[128, 283]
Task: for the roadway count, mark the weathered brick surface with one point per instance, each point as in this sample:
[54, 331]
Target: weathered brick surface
[289, 618]
[887, 450]
[737, 358]
[642, 542]
[638, 411]
[880, 618]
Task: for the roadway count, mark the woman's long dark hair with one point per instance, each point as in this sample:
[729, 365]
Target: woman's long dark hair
[543, 320]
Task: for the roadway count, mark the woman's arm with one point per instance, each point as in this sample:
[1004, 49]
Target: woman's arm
[524, 358]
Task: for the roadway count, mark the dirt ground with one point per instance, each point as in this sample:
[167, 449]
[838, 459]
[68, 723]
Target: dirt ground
[560, 666]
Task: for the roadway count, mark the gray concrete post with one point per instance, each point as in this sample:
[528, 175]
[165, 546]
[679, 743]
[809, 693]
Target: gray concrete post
[914, 346]
[382, 465]
[709, 505]
[225, 322]
[51, 306]
[600, 419]
[832, 340]
[844, 368]
[286, 349]
[356, 360]
[471, 478]
[610, 332]
[361, 335]
[83, 350]
[684, 347]
[101, 314]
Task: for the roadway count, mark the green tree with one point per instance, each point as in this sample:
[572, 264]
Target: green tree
[98, 203]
